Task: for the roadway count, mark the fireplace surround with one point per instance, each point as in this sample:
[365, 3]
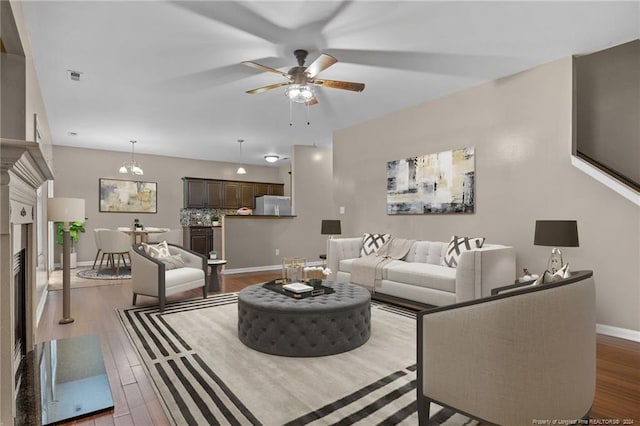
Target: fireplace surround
[23, 169]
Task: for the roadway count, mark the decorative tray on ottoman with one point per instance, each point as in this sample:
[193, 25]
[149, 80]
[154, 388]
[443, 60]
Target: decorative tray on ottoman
[298, 290]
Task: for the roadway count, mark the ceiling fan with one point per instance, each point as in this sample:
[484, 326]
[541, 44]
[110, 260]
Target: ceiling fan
[301, 78]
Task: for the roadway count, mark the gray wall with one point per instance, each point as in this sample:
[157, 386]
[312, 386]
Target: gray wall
[252, 242]
[520, 127]
[77, 172]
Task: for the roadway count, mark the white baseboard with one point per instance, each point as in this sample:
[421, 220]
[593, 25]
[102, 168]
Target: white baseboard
[83, 263]
[622, 333]
[261, 268]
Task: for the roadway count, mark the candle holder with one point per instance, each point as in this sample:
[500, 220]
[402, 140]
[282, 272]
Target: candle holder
[293, 269]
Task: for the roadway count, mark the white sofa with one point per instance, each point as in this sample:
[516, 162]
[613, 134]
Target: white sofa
[420, 277]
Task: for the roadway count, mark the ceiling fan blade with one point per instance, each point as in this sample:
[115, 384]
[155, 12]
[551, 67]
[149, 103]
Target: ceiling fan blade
[239, 16]
[459, 64]
[265, 88]
[264, 68]
[312, 102]
[344, 85]
[323, 62]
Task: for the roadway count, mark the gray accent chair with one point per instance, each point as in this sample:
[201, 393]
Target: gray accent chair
[151, 278]
[520, 355]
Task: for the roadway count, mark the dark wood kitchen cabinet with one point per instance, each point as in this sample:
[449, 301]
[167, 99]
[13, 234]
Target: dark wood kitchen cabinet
[238, 194]
[203, 239]
[268, 189]
[202, 193]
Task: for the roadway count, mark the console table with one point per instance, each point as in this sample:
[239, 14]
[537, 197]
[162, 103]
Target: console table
[314, 326]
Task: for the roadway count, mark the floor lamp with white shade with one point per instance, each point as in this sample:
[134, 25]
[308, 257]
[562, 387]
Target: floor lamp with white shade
[66, 210]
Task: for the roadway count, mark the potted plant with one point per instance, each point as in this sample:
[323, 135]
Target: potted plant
[215, 220]
[75, 228]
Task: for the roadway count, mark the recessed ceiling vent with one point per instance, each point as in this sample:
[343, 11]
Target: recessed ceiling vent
[74, 75]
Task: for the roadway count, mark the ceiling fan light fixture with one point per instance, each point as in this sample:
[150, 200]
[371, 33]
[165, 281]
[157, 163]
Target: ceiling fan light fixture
[241, 171]
[299, 93]
[271, 158]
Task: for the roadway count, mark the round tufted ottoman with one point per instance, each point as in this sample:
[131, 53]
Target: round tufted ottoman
[315, 326]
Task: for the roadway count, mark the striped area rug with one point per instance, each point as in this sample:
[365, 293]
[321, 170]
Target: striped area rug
[205, 375]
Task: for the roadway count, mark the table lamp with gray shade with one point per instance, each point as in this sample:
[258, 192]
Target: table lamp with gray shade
[556, 233]
[330, 227]
[65, 210]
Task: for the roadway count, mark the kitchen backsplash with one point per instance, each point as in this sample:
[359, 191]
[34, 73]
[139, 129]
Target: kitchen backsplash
[203, 216]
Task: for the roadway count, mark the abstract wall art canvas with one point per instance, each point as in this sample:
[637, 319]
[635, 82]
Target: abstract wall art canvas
[443, 182]
[128, 196]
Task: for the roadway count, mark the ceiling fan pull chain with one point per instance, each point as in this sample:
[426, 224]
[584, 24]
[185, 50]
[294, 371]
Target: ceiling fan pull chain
[308, 121]
[291, 113]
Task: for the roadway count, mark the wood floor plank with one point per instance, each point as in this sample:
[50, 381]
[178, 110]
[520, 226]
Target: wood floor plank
[141, 416]
[121, 359]
[146, 388]
[136, 403]
[134, 396]
[126, 420]
[157, 413]
[104, 420]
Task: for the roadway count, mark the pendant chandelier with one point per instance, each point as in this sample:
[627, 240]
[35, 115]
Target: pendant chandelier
[241, 170]
[132, 166]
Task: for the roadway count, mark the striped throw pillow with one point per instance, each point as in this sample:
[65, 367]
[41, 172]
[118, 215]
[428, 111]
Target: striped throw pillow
[157, 251]
[457, 246]
[371, 243]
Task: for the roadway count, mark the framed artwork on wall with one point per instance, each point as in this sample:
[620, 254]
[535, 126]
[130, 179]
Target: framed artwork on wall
[443, 182]
[128, 196]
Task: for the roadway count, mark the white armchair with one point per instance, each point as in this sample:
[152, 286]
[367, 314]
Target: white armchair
[513, 357]
[152, 277]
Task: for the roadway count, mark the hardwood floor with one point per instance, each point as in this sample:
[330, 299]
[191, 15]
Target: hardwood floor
[93, 308]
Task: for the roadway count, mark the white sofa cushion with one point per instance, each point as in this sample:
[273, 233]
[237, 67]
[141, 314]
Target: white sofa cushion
[427, 252]
[423, 275]
[346, 265]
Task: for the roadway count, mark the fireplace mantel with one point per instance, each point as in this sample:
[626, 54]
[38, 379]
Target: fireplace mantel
[23, 169]
[25, 160]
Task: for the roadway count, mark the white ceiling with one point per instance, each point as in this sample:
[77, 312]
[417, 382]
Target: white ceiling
[168, 74]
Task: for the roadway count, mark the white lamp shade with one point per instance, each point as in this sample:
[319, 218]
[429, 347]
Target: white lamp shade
[65, 209]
